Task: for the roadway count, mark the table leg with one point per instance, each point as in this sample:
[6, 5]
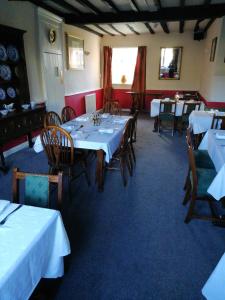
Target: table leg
[30, 142]
[155, 124]
[3, 165]
[100, 168]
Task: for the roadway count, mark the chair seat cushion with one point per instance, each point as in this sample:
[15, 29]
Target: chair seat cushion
[203, 160]
[205, 178]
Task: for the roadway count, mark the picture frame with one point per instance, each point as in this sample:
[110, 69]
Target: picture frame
[213, 49]
[75, 52]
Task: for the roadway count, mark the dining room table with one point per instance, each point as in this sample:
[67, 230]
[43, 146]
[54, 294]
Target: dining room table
[214, 143]
[33, 243]
[103, 137]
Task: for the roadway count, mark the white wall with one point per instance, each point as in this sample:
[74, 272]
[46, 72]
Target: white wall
[22, 15]
[191, 65]
[213, 73]
[89, 78]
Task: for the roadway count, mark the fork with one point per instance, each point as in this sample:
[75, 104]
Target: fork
[6, 217]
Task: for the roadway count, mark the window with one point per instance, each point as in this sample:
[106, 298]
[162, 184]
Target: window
[123, 65]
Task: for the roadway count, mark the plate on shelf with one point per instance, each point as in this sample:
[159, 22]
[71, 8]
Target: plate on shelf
[3, 54]
[12, 53]
[5, 72]
[11, 92]
[2, 94]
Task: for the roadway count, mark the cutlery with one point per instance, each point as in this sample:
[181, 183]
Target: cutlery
[79, 127]
[6, 217]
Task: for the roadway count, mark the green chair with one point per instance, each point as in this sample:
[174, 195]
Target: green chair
[167, 111]
[188, 107]
[37, 188]
[200, 180]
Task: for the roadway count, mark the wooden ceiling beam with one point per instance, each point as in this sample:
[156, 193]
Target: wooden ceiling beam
[134, 5]
[162, 23]
[103, 29]
[164, 27]
[132, 29]
[167, 14]
[47, 7]
[115, 29]
[209, 24]
[88, 4]
[112, 4]
[182, 23]
[149, 28]
[67, 6]
[89, 29]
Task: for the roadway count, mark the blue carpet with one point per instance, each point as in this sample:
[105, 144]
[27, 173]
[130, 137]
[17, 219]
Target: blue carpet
[131, 243]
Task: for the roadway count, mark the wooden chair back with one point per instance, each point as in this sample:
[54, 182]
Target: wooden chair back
[189, 107]
[52, 179]
[52, 118]
[67, 114]
[167, 107]
[192, 161]
[115, 108]
[107, 107]
[59, 147]
[218, 122]
[125, 140]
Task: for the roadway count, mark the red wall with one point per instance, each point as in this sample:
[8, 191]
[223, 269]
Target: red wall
[77, 102]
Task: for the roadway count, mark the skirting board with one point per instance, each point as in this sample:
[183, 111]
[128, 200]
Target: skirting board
[16, 149]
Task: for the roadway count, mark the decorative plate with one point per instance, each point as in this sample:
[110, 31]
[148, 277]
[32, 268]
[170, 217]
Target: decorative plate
[2, 94]
[11, 92]
[13, 53]
[5, 72]
[3, 54]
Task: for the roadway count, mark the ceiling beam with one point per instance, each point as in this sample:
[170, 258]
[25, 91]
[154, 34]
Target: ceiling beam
[103, 29]
[134, 5]
[162, 23]
[89, 30]
[67, 6]
[88, 4]
[132, 29]
[209, 24]
[207, 2]
[149, 28]
[182, 23]
[164, 27]
[47, 7]
[115, 29]
[165, 14]
[112, 4]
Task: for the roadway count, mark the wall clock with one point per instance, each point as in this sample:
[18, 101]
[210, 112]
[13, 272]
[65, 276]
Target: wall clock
[51, 36]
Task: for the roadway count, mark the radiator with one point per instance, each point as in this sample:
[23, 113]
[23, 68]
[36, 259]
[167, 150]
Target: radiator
[90, 103]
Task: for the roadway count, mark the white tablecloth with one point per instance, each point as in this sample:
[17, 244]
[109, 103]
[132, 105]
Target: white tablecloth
[33, 242]
[155, 105]
[216, 150]
[214, 288]
[201, 121]
[89, 137]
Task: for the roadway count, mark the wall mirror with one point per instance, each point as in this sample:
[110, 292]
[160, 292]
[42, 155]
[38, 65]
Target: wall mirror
[170, 63]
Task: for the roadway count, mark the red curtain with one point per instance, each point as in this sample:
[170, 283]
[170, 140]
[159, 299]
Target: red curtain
[139, 81]
[107, 74]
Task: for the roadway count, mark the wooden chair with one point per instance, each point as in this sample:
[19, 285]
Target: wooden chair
[187, 109]
[52, 118]
[167, 111]
[202, 160]
[133, 134]
[123, 154]
[67, 114]
[37, 188]
[200, 180]
[59, 148]
[107, 107]
[218, 122]
[115, 108]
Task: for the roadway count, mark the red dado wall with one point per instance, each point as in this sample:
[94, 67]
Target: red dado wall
[77, 101]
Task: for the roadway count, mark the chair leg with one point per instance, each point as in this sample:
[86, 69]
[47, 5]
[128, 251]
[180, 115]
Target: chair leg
[187, 194]
[132, 151]
[190, 210]
[129, 163]
[122, 170]
[187, 180]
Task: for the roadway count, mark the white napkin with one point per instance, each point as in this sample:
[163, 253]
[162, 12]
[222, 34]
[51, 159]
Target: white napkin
[82, 118]
[3, 205]
[105, 130]
[220, 136]
[105, 115]
[119, 121]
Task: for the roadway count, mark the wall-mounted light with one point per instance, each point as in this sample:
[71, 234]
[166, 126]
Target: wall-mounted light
[86, 52]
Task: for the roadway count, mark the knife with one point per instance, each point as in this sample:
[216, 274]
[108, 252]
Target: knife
[6, 217]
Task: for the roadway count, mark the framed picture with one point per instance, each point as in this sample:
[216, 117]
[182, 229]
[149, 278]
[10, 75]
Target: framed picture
[75, 52]
[213, 49]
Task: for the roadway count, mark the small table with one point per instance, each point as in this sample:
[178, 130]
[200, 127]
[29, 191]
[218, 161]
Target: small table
[214, 288]
[33, 242]
[137, 100]
[216, 150]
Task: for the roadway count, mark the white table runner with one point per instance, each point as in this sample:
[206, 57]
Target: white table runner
[216, 150]
[33, 242]
[106, 136]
